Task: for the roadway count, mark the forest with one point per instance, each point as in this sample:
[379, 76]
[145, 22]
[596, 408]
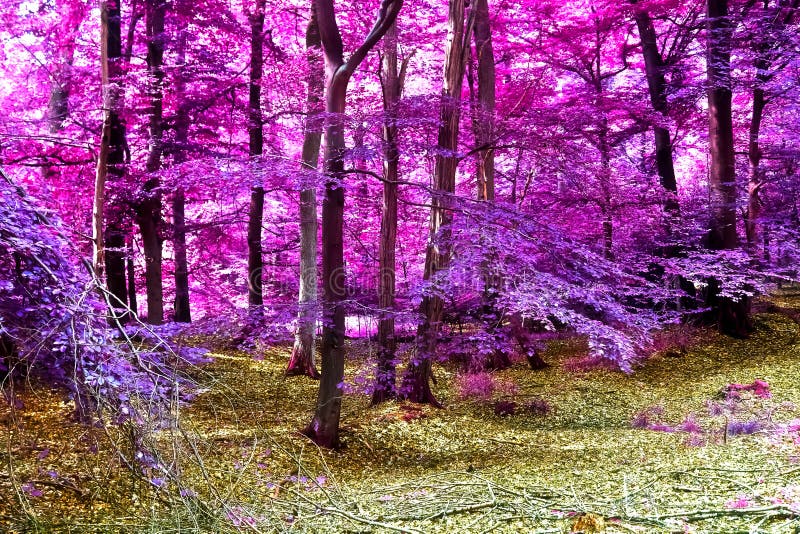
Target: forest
[400, 266]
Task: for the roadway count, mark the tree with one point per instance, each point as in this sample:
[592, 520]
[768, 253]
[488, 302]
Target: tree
[107, 221]
[483, 112]
[657, 88]
[771, 41]
[181, 307]
[392, 81]
[148, 207]
[733, 315]
[71, 15]
[416, 381]
[302, 359]
[324, 426]
[255, 128]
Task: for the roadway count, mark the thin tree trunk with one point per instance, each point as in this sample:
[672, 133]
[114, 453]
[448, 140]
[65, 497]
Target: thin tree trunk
[302, 360]
[255, 260]
[324, 426]
[483, 121]
[71, 15]
[108, 229]
[657, 86]
[392, 84]
[754, 182]
[733, 315]
[416, 381]
[483, 116]
[148, 210]
[131, 275]
[181, 307]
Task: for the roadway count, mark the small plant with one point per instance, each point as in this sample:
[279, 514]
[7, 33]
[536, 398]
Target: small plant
[736, 428]
[483, 385]
[538, 406]
[504, 407]
[476, 385]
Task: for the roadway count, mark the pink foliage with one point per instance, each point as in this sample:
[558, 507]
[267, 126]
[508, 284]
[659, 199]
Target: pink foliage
[483, 385]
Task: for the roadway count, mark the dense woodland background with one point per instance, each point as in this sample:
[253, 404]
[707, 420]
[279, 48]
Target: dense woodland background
[454, 181]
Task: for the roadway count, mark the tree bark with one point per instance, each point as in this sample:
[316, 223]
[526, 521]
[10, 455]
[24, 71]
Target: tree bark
[302, 360]
[108, 228]
[181, 306]
[392, 85]
[483, 116]
[416, 381]
[754, 182]
[483, 122]
[733, 315]
[255, 260]
[131, 275]
[657, 87]
[148, 209]
[324, 426]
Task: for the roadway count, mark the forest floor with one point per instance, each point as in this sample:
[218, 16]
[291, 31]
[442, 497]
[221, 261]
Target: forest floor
[670, 448]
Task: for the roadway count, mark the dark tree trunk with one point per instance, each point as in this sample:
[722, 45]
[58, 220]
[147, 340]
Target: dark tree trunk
[392, 84]
[755, 181]
[733, 316]
[132, 304]
[148, 209]
[181, 307]
[324, 426]
[302, 360]
[657, 87]
[181, 311]
[108, 221]
[416, 381]
[255, 260]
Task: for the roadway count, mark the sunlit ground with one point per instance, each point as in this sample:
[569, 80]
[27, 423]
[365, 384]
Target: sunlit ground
[590, 463]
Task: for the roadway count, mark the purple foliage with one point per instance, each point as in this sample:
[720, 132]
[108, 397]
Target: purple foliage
[690, 425]
[52, 310]
[483, 385]
[476, 385]
[744, 427]
[758, 388]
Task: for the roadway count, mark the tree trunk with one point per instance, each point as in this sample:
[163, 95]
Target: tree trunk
[754, 182]
[483, 128]
[148, 209]
[255, 260]
[302, 360]
[108, 228]
[392, 84]
[656, 84]
[181, 307]
[733, 315]
[416, 381]
[324, 426]
[483, 116]
[71, 15]
[131, 275]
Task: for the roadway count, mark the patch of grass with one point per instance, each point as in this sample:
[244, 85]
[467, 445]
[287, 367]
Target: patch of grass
[243, 466]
